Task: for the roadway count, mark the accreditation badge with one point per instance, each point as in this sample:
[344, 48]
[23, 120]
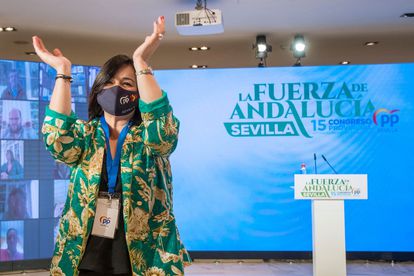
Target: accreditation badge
[106, 217]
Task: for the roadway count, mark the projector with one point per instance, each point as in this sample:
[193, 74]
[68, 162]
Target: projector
[199, 22]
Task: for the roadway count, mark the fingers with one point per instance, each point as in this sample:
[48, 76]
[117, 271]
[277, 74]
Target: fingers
[160, 20]
[42, 45]
[38, 45]
[57, 52]
[155, 28]
[160, 25]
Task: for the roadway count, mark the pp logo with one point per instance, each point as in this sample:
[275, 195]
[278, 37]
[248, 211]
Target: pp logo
[105, 220]
[385, 117]
[124, 99]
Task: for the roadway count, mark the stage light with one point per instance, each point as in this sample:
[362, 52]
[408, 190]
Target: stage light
[298, 46]
[201, 48]
[30, 53]
[371, 43]
[195, 66]
[345, 62]
[262, 49]
[8, 29]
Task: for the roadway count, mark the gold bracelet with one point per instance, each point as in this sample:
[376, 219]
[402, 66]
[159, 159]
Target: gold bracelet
[146, 71]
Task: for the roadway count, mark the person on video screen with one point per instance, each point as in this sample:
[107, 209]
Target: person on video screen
[11, 253]
[129, 136]
[16, 205]
[15, 128]
[12, 168]
[61, 171]
[14, 90]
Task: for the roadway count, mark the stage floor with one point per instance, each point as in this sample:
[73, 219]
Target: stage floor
[279, 268]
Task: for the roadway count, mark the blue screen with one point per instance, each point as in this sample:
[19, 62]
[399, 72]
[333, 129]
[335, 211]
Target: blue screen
[245, 133]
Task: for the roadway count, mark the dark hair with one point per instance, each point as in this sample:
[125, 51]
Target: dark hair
[9, 230]
[107, 72]
[17, 191]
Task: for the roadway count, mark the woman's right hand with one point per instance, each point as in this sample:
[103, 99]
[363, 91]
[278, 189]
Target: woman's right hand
[61, 64]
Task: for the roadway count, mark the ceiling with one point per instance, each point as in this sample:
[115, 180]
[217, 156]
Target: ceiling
[90, 31]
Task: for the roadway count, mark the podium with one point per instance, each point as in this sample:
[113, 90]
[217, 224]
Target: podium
[328, 192]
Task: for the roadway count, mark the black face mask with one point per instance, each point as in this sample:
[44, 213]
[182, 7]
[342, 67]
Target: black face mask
[117, 101]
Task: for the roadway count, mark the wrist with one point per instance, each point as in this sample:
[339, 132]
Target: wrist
[139, 63]
[146, 71]
[64, 70]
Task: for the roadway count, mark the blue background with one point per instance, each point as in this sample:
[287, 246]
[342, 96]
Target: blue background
[235, 193]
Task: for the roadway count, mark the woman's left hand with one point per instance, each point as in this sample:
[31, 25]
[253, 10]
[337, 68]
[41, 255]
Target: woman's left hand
[151, 43]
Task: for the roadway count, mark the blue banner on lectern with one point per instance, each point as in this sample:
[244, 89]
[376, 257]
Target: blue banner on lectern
[246, 132]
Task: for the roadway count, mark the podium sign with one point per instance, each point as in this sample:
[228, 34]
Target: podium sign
[331, 186]
[327, 192]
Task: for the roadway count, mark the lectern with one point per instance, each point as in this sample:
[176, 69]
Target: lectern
[328, 192]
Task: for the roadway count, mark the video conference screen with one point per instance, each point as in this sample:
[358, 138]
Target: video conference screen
[33, 187]
[244, 134]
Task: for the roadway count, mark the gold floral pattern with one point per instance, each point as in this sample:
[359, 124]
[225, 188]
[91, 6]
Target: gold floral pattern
[56, 271]
[151, 234]
[138, 227]
[154, 271]
[74, 224]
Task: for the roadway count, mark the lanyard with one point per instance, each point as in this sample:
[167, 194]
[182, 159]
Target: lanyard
[112, 165]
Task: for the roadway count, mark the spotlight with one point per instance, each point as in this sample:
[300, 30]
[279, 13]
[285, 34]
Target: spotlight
[8, 29]
[345, 62]
[195, 66]
[371, 43]
[298, 46]
[201, 48]
[262, 49]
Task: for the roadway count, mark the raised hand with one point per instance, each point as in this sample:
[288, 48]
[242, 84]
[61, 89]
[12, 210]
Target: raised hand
[151, 43]
[55, 59]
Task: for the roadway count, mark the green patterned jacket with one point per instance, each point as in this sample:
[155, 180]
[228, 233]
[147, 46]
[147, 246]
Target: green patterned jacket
[152, 236]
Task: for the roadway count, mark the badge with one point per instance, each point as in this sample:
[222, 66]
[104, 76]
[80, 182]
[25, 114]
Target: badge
[106, 217]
